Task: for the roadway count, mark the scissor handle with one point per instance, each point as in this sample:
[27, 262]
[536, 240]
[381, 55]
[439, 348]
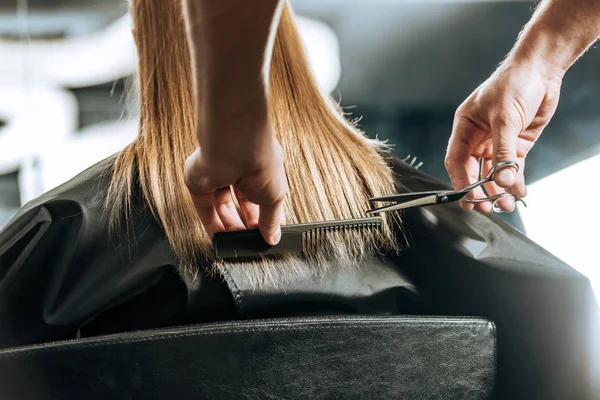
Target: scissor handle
[497, 167]
[494, 200]
[490, 176]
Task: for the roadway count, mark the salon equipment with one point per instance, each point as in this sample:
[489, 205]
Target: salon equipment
[299, 238]
[421, 199]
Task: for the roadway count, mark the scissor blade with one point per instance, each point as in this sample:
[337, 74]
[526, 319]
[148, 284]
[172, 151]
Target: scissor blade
[418, 202]
[404, 197]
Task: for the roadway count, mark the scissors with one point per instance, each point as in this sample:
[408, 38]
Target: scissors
[420, 199]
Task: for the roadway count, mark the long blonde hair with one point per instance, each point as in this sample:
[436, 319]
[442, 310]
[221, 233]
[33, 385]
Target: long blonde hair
[332, 168]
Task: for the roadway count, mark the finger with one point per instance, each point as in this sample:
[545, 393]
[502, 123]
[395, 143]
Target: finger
[505, 204]
[249, 209]
[464, 174]
[458, 155]
[460, 163]
[519, 189]
[505, 149]
[226, 210]
[194, 176]
[269, 221]
[204, 204]
[485, 206]
[202, 194]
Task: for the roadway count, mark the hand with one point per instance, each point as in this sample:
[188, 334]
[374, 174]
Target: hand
[255, 172]
[501, 121]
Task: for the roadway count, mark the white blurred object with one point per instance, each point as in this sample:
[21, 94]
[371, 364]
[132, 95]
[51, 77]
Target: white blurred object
[563, 217]
[323, 50]
[89, 60]
[110, 54]
[73, 154]
[35, 117]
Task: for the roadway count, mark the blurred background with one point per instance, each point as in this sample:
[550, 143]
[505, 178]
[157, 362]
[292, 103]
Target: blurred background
[403, 66]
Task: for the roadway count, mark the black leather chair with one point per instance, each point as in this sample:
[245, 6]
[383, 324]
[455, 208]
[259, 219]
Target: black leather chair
[303, 358]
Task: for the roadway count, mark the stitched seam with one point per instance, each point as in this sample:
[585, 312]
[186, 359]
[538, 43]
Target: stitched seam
[237, 294]
[328, 326]
[495, 349]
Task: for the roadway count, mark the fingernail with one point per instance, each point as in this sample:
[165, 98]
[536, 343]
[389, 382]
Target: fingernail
[276, 236]
[506, 176]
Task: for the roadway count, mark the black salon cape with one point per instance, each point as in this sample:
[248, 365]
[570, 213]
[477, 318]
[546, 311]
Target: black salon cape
[62, 275]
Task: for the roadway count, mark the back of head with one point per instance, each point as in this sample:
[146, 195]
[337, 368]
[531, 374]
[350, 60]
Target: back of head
[331, 167]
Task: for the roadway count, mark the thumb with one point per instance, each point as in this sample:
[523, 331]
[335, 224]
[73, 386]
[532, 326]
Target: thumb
[269, 222]
[505, 149]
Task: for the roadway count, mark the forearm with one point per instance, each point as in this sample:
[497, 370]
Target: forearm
[558, 34]
[231, 44]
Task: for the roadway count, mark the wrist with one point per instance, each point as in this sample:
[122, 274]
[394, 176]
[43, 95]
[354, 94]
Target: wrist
[239, 147]
[227, 118]
[541, 52]
[557, 35]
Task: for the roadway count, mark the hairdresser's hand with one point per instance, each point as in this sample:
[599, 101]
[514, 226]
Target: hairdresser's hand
[231, 44]
[255, 172]
[500, 121]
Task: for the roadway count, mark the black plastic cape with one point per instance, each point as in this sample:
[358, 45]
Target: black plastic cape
[63, 276]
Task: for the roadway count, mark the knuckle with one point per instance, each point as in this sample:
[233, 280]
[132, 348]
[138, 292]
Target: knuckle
[274, 192]
[191, 173]
[195, 184]
[270, 224]
[502, 119]
[188, 178]
[275, 205]
[448, 163]
[189, 181]
[508, 117]
[469, 103]
[463, 112]
[459, 111]
[503, 153]
[453, 166]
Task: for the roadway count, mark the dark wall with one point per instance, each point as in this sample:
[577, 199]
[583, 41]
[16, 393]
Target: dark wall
[407, 66]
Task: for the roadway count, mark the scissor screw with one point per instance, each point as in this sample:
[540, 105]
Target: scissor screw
[444, 199]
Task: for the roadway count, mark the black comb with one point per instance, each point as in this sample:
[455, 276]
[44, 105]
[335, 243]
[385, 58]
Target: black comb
[294, 238]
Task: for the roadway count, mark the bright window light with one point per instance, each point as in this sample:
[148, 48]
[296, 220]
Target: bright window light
[563, 217]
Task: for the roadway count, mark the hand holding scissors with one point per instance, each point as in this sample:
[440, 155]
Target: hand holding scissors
[421, 199]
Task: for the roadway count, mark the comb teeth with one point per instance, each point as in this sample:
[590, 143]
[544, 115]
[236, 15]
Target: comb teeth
[313, 238]
[300, 238]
